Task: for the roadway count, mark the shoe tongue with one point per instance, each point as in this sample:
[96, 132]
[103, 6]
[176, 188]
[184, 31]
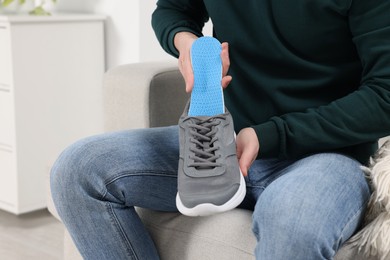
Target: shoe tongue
[201, 118]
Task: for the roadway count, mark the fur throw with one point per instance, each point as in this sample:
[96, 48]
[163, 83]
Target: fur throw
[374, 238]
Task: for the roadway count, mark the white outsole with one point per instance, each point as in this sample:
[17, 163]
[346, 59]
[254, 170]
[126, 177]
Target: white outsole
[206, 209]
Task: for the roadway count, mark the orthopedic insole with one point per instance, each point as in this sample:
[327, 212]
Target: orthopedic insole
[207, 94]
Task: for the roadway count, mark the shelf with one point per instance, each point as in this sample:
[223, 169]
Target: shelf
[55, 17]
[51, 71]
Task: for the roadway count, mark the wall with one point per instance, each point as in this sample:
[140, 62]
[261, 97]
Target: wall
[129, 36]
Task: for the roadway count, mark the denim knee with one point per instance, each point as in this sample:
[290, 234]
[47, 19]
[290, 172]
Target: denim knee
[72, 173]
[311, 209]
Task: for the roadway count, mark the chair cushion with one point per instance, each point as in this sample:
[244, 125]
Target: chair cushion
[226, 236]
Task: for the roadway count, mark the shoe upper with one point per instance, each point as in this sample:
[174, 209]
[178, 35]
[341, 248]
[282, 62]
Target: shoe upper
[208, 165]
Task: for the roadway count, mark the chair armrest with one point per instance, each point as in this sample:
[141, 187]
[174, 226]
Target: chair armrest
[138, 95]
[134, 97]
[383, 140]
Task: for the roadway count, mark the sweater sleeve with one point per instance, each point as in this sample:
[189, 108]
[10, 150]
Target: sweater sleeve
[360, 117]
[173, 16]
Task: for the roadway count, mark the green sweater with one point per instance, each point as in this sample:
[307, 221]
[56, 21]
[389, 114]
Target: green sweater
[308, 76]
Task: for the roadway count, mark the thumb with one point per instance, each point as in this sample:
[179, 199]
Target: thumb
[245, 161]
[189, 81]
[247, 149]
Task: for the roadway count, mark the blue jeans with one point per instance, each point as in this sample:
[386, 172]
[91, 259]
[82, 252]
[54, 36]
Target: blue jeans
[304, 209]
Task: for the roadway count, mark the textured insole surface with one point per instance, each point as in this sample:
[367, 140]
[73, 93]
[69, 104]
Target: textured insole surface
[207, 94]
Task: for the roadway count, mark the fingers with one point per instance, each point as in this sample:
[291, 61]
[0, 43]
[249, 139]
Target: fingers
[225, 58]
[226, 79]
[244, 170]
[183, 42]
[185, 68]
[247, 149]
[245, 161]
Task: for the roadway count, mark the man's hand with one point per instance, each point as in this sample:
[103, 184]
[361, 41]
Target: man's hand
[183, 42]
[247, 148]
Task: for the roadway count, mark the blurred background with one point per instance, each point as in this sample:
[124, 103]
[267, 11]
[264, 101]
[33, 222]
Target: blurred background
[51, 71]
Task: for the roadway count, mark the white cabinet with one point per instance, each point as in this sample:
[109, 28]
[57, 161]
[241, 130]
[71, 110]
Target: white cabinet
[51, 72]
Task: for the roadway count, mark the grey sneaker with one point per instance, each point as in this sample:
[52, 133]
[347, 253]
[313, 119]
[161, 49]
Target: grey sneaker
[209, 177]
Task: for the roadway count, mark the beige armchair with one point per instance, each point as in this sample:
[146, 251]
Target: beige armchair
[149, 95]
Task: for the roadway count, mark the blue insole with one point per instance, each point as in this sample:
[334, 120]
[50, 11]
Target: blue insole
[207, 94]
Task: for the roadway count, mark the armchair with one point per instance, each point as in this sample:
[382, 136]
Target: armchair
[150, 95]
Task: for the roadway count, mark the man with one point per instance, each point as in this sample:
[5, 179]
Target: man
[308, 86]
